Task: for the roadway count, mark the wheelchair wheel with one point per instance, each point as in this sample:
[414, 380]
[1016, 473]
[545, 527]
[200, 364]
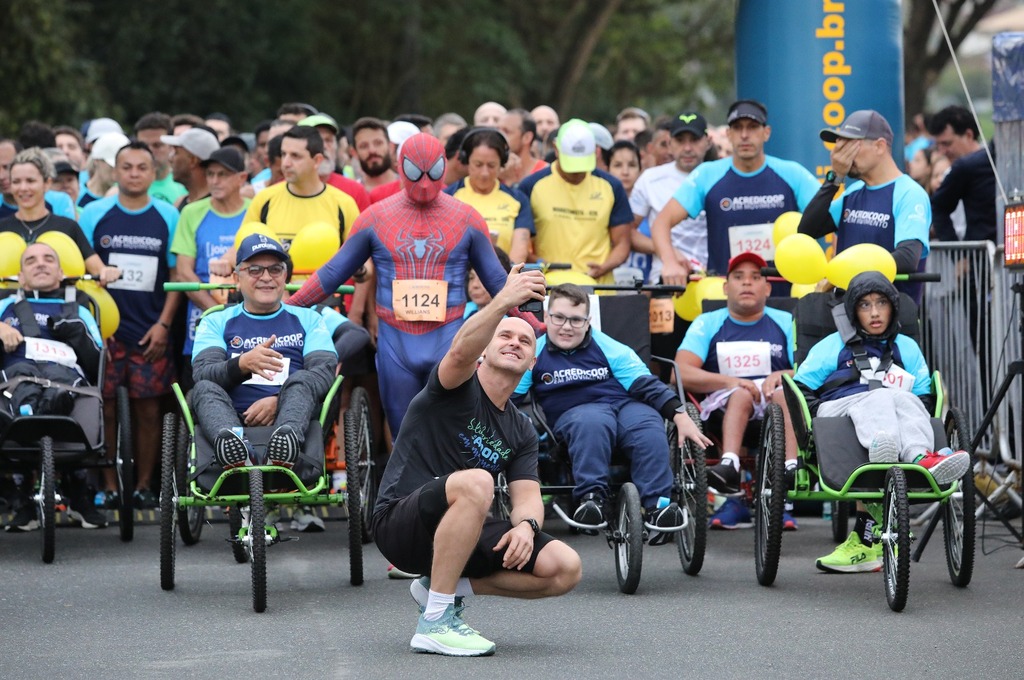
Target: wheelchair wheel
[47, 499]
[840, 521]
[958, 510]
[168, 509]
[629, 539]
[770, 496]
[359, 464]
[191, 517]
[125, 461]
[689, 470]
[502, 505]
[257, 543]
[234, 526]
[896, 540]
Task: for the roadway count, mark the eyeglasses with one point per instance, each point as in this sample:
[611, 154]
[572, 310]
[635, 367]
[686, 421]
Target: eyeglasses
[867, 305]
[560, 319]
[256, 270]
[413, 173]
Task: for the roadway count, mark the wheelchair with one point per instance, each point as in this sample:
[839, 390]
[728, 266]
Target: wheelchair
[626, 531]
[833, 466]
[192, 481]
[45, 444]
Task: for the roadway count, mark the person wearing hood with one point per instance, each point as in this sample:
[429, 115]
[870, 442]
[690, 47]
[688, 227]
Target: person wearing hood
[878, 377]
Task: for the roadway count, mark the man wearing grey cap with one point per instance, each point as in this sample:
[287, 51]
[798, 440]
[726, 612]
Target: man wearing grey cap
[881, 205]
[190, 149]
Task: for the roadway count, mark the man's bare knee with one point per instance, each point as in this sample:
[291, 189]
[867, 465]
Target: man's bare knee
[473, 486]
[560, 566]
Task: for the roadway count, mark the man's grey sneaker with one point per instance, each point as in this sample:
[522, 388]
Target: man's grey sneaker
[89, 518]
[230, 449]
[724, 478]
[305, 520]
[449, 635]
[24, 519]
[883, 449]
[668, 517]
[283, 447]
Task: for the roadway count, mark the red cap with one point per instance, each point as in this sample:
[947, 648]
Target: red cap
[747, 257]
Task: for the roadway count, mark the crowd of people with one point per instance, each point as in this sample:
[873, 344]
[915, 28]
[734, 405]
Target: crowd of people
[432, 216]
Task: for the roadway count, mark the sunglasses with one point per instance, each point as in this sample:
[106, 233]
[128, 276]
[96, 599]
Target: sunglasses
[413, 173]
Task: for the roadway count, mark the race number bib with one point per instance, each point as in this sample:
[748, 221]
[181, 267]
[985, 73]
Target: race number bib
[663, 314]
[277, 379]
[40, 349]
[138, 272]
[752, 238]
[744, 359]
[898, 379]
[419, 299]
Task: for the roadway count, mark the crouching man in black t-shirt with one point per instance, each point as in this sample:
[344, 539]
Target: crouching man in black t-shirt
[432, 512]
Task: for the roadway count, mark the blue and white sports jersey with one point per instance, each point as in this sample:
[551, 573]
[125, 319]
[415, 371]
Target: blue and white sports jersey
[299, 332]
[56, 202]
[711, 329]
[139, 243]
[599, 371]
[732, 198]
[42, 309]
[831, 358]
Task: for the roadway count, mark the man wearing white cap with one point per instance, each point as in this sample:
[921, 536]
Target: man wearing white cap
[190, 149]
[885, 207]
[101, 126]
[581, 214]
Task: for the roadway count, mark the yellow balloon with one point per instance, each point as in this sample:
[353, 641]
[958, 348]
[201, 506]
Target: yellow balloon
[71, 261]
[863, 257]
[800, 259]
[557, 276]
[314, 245]
[688, 304]
[801, 289]
[110, 317]
[785, 225]
[250, 228]
[711, 288]
[11, 248]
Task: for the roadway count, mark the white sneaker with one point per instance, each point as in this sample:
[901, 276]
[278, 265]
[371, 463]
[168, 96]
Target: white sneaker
[305, 520]
[883, 449]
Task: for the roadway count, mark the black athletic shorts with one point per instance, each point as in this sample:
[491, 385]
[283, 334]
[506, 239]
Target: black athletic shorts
[404, 533]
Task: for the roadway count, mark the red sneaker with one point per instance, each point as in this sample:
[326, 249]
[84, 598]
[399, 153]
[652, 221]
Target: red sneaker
[944, 465]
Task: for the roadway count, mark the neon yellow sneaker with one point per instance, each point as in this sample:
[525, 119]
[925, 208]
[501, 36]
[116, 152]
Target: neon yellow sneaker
[449, 635]
[851, 557]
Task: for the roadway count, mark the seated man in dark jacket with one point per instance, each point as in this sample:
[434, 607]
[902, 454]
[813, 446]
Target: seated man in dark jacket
[261, 362]
[599, 395]
[47, 336]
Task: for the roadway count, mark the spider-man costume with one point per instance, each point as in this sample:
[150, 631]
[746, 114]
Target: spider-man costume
[419, 233]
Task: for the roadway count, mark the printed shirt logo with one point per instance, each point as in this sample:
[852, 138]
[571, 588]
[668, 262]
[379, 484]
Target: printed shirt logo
[768, 202]
[567, 375]
[290, 340]
[131, 242]
[868, 218]
[486, 449]
[236, 342]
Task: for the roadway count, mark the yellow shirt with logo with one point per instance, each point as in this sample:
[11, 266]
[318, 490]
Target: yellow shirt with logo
[504, 209]
[572, 220]
[286, 213]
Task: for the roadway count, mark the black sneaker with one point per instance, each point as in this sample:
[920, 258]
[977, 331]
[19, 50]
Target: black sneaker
[89, 517]
[24, 519]
[283, 447]
[724, 478]
[590, 512]
[669, 517]
[144, 499]
[230, 449]
[790, 477]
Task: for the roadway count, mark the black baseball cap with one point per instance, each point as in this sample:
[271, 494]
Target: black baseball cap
[748, 108]
[228, 156]
[258, 244]
[64, 168]
[689, 121]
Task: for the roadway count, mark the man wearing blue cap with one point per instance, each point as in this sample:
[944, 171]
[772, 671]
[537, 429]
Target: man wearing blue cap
[262, 362]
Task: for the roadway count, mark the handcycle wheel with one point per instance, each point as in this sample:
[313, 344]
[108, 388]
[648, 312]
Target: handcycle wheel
[47, 498]
[629, 543]
[896, 539]
[125, 462]
[958, 510]
[234, 526]
[689, 470]
[770, 496]
[502, 506]
[840, 521]
[257, 543]
[168, 509]
[190, 517]
[354, 498]
[359, 463]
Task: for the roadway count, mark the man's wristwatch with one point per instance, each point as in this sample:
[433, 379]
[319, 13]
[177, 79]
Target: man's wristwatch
[832, 178]
[533, 524]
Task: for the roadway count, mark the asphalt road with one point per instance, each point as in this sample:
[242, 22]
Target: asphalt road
[98, 612]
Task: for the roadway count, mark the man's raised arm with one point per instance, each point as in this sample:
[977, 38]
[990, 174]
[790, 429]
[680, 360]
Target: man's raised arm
[459, 363]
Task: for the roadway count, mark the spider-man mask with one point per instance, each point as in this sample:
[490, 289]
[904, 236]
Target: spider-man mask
[421, 166]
